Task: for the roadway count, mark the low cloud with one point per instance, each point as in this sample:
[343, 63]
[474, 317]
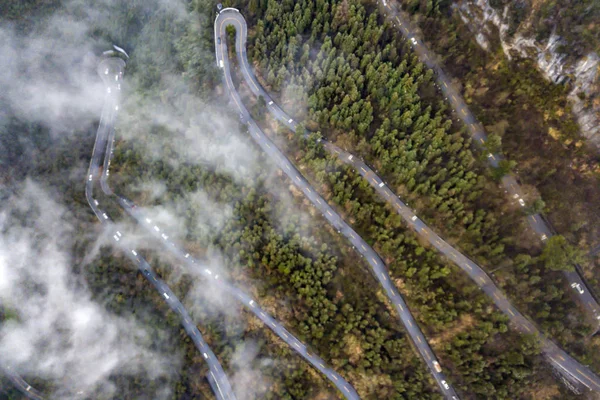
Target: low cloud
[49, 77]
[188, 130]
[205, 298]
[46, 77]
[59, 332]
[248, 382]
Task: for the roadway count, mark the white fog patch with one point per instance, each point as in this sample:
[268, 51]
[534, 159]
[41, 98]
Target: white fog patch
[248, 382]
[103, 239]
[193, 132]
[60, 333]
[164, 220]
[45, 78]
[151, 190]
[286, 212]
[210, 216]
[295, 100]
[205, 298]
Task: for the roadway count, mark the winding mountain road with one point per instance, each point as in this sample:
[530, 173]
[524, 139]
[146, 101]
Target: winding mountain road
[20, 384]
[581, 291]
[111, 72]
[229, 16]
[564, 363]
[212, 277]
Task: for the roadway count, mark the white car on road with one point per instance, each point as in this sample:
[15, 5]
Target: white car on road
[445, 385]
[577, 286]
[413, 41]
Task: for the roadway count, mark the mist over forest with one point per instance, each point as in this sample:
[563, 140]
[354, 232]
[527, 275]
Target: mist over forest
[79, 320]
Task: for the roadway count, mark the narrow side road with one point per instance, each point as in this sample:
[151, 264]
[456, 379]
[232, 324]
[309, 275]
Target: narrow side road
[378, 269]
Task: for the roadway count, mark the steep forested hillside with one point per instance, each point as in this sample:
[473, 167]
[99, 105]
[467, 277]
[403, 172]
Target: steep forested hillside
[511, 88]
[338, 66]
[352, 78]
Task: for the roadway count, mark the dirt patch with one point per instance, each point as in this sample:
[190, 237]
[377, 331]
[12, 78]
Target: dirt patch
[370, 383]
[465, 322]
[554, 133]
[353, 348]
[295, 191]
[399, 282]
[546, 392]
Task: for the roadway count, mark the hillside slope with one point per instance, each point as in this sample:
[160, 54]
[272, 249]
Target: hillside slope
[561, 36]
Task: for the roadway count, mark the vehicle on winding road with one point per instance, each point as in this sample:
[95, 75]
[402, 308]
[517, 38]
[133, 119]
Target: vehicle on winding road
[558, 357]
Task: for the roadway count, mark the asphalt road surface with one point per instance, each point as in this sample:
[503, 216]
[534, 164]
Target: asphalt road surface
[111, 72]
[232, 17]
[20, 384]
[581, 291]
[212, 277]
[564, 363]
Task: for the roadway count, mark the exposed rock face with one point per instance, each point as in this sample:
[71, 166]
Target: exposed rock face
[582, 73]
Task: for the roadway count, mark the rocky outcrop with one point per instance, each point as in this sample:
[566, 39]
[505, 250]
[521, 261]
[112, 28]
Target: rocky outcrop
[581, 74]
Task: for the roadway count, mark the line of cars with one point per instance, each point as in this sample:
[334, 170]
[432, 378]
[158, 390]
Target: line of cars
[378, 268]
[567, 362]
[542, 228]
